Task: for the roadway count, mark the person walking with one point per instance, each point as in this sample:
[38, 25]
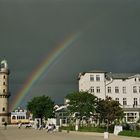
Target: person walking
[19, 125]
[5, 125]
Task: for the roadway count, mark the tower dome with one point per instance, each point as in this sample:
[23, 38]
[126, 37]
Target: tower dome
[4, 64]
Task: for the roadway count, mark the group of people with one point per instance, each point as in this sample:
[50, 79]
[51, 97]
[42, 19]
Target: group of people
[18, 124]
[50, 127]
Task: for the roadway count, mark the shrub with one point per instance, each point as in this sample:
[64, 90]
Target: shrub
[70, 128]
[126, 126]
[137, 127]
[85, 129]
[111, 128]
[130, 133]
[100, 129]
[92, 129]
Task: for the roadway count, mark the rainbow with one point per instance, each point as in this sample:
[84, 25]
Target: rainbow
[43, 68]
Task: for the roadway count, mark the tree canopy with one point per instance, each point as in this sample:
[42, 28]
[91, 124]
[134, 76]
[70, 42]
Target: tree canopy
[81, 102]
[109, 110]
[41, 107]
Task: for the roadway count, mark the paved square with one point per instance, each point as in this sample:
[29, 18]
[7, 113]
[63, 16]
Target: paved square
[13, 133]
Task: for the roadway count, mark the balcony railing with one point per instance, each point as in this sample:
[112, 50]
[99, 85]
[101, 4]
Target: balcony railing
[6, 94]
[130, 106]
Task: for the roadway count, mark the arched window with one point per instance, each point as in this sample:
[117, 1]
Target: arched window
[3, 109]
[3, 119]
[13, 117]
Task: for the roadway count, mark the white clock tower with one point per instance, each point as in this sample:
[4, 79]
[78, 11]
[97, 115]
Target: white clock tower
[4, 92]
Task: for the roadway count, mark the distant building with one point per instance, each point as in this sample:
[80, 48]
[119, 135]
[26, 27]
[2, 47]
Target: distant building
[122, 87]
[4, 92]
[61, 114]
[64, 117]
[20, 116]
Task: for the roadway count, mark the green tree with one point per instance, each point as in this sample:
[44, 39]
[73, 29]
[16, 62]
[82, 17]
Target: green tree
[109, 110]
[81, 102]
[41, 107]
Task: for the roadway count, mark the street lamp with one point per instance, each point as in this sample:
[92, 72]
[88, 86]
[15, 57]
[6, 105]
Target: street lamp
[106, 134]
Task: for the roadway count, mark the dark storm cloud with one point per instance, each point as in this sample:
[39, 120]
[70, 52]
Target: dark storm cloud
[30, 29]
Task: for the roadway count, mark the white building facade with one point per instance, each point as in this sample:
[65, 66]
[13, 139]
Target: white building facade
[20, 116]
[122, 87]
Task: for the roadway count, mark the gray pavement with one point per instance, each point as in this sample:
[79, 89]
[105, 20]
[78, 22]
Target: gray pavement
[13, 133]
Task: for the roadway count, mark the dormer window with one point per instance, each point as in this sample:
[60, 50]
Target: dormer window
[91, 77]
[123, 79]
[135, 79]
[97, 77]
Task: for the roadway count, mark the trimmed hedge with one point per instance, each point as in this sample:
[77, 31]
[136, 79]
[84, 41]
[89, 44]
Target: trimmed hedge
[92, 129]
[130, 133]
[88, 129]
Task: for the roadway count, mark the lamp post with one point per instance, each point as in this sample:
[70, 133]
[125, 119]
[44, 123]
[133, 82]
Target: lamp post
[106, 134]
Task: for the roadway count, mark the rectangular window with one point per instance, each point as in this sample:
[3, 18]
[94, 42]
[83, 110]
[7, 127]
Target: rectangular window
[124, 89]
[98, 89]
[139, 89]
[134, 89]
[117, 99]
[92, 89]
[135, 101]
[97, 77]
[116, 89]
[124, 101]
[109, 89]
[4, 90]
[3, 83]
[91, 77]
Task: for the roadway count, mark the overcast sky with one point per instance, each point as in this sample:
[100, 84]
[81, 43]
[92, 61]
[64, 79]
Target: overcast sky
[31, 29]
